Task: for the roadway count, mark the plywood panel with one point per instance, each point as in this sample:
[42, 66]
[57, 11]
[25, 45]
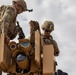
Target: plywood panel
[5, 53]
[37, 47]
[48, 59]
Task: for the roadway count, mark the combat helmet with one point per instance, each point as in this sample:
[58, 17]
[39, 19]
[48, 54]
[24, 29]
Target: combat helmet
[48, 25]
[21, 3]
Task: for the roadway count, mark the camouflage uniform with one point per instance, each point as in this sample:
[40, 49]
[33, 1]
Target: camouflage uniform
[8, 19]
[49, 26]
[8, 16]
[34, 25]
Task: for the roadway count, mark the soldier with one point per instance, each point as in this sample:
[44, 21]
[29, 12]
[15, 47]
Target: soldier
[47, 28]
[8, 16]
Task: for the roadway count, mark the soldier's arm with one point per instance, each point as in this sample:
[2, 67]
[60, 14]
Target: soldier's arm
[7, 18]
[56, 49]
[34, 26]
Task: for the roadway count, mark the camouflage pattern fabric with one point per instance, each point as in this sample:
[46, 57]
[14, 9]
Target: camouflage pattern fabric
[49, 40]
[34, 25]
[48, 25]
[21, 3]
[8, 17]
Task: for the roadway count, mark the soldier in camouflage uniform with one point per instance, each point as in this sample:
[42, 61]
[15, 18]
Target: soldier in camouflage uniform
[47, 28]
[8, 16]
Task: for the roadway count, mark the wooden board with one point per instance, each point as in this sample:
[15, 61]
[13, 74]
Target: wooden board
[37, 48]
[5, 54]
[48, 59]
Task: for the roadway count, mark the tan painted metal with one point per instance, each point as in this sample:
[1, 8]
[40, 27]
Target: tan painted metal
[42, 63]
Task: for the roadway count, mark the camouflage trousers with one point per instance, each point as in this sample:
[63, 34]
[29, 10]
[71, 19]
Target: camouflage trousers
[10, 30]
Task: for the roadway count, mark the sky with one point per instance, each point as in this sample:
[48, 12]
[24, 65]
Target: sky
[63, 14]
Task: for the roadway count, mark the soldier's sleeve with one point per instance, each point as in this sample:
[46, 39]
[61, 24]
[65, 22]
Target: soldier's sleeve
[8, 17]
[56, 49]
